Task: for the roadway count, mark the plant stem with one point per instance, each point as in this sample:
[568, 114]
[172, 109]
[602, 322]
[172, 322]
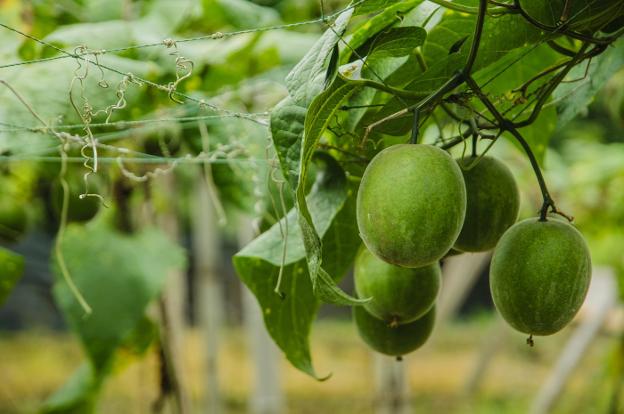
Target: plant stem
[507, 125]
[476, 40]
[545, 94]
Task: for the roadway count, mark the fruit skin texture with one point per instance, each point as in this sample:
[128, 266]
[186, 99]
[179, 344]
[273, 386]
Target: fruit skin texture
[393, 341]
[539, 275]
[399, 294]
[492, 203]
[411, 204]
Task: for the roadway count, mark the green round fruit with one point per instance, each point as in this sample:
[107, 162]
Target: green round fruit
[399, 294]
[393, 341]
[539, 275]
[79, 210]
[492, 203]
[13, 220]
[411, 204]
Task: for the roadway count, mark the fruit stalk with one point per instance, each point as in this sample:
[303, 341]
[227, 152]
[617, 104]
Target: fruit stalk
[507, 125]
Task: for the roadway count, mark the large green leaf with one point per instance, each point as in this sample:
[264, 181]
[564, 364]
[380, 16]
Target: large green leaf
[369, 28]
[319, 114]
[119, 275]
[573, 97]
[397, 42]
[289, 320]
[287, 120]
[304, 81]
[11, 270]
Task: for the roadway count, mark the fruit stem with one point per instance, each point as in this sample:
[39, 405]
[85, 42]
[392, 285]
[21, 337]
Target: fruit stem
[507, 125]
[399, 358]
[530, 341]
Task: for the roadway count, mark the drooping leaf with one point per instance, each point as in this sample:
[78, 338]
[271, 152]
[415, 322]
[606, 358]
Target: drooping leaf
[319, 114]
[11, 270]
[289, 321]
[119, 275]
[287, 120]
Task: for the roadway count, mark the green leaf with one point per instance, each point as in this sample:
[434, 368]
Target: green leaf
[374, 25]
[319, 114]
[11, 271]
[573, 98]
[289, 321]
[119, 275]
[397, 42]
[287, 120]
[52, 102]
[305, 81]
[245, 14]
[78, 395]
[370, 6]
[500, 36]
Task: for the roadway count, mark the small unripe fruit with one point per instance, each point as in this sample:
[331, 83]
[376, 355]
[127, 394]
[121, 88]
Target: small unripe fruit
[393, 341]
[399, 294]
[492, 203]
[411, 204]
[539, 275]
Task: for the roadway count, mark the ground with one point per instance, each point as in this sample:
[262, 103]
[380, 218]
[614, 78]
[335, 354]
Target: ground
[35, 363]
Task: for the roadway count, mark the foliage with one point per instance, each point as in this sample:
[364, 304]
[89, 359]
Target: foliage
[389, 65]
[118, 284]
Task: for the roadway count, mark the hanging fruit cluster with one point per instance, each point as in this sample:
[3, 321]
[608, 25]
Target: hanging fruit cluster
[415, 204]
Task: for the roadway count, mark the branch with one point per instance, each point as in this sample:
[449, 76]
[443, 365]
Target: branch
[507, 125]
[545, 94]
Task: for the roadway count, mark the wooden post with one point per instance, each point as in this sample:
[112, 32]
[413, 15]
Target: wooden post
[492, 342]
[391, 388]
[173, 299]
[267, 396]
[209, 301]
[601, 298]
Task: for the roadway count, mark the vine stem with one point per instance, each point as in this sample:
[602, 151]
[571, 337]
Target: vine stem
[507, 125]
[543, 97]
